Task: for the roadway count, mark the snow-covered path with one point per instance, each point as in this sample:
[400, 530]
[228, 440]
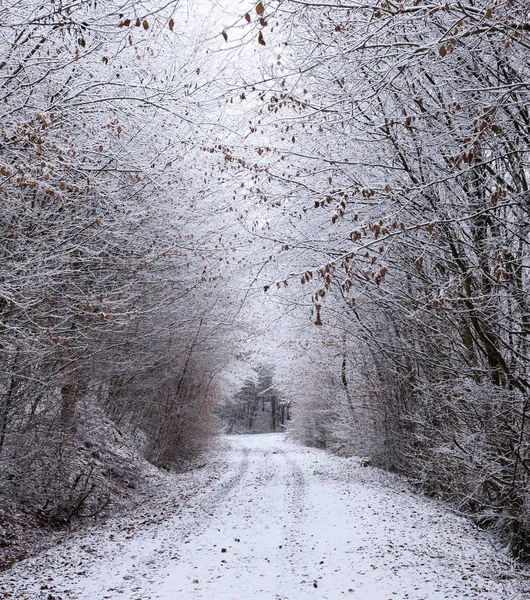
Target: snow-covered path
[278, 522]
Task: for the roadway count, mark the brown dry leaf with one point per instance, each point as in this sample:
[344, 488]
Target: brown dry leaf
[145, 25]
[260, 9]
[225, 35]
[248, 18]
[260, 39]
[171, 24]
[318, 320]
[442, 51]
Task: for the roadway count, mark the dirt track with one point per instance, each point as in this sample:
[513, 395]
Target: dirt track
[280, 522]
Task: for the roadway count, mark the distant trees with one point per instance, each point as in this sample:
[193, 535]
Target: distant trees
[256, 407]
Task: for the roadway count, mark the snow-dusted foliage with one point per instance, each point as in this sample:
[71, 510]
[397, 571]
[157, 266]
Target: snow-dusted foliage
[106, 336]
[391, 163]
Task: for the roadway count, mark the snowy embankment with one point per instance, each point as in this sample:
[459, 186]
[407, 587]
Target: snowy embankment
[272, 520]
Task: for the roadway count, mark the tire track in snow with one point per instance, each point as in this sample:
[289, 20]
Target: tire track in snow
[213, 499]
[203, 506]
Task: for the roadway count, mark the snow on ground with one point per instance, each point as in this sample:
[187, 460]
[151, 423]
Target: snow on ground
[271, 520]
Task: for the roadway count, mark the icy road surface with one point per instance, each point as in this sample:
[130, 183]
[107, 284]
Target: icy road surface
[271, 520]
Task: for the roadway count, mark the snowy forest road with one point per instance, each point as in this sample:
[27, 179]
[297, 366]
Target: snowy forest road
[281, 522]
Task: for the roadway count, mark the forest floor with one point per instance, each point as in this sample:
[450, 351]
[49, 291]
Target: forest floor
[267, 519]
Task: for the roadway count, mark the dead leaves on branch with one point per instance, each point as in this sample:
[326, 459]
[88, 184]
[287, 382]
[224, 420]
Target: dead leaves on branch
[138, 23]
[260, 11]
[366, 263]
[144, 23]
